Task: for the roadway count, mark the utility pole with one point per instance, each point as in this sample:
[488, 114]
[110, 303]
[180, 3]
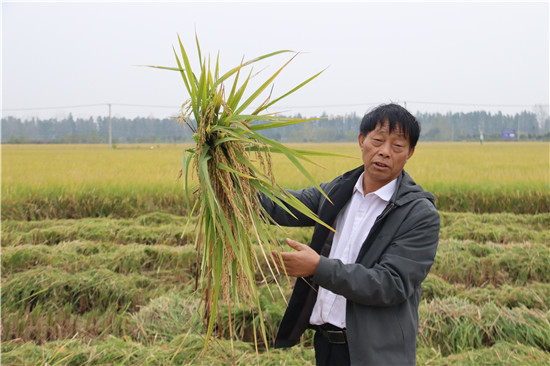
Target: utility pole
[110, 136]
[481, 128]
[344, 124]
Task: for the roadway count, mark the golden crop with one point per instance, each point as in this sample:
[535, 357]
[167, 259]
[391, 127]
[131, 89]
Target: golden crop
[434, 165]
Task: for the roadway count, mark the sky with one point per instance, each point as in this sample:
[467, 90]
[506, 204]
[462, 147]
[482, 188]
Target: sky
[432, 56]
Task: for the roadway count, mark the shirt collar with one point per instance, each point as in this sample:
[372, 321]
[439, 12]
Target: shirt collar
[384, 192]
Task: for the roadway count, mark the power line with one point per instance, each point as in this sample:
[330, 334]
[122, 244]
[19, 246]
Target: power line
[329, 105]
[60, 107]
[87, 106]
[418, 102]
[478, 105]
[146, 105]
[286, 107]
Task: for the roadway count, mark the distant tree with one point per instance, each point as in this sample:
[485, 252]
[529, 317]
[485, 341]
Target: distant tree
[542, 113]
[435, 126]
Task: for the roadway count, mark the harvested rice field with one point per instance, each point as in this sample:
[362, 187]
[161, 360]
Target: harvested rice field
[98, 265]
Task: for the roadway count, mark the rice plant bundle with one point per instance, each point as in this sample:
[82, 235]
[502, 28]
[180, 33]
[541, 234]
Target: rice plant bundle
[232, 162]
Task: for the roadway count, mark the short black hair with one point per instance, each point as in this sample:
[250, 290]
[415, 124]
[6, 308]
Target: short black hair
[396, 116]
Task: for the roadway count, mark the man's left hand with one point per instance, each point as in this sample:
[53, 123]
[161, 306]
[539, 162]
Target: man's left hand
[301, 263]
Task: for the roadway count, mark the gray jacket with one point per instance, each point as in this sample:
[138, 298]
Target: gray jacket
[383, 286]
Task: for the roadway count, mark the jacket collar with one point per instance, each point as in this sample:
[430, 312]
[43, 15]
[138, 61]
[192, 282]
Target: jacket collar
[407, 190]
[342, 192]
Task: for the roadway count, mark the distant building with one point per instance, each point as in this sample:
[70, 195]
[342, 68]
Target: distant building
[508, 134]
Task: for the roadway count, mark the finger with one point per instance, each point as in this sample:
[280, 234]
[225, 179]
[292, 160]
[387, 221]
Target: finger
[294, 244]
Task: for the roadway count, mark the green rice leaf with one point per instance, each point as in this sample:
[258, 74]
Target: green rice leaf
[198, 46]
[233, 101]
[234, 70]
[183, 73]
[225, 167]
[290, 92]
[262, 88]
[217, 71]
[164, 68]
[190, 75]
[265, 126]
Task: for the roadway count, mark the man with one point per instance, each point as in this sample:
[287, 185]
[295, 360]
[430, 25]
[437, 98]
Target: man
[359, 287]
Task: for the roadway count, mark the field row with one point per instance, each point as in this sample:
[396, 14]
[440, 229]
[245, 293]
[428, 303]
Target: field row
[128, 278]
[449, 328]
[41, 268]
[169, 229]
[186, 349]
[128, 202]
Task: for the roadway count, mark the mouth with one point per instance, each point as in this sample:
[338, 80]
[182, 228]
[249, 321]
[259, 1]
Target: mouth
[381, 165]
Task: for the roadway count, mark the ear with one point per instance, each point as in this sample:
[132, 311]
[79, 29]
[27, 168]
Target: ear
[361, 139]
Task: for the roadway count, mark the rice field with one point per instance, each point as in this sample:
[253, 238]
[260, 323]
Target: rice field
[73, 181]
[97, 266]
[491, 166]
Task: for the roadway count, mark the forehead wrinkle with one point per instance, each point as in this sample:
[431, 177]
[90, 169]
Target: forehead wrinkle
[385, 129]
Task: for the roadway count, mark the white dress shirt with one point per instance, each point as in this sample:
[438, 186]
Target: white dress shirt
[353, 225]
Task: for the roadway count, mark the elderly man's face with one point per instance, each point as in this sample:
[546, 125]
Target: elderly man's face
[384, 155]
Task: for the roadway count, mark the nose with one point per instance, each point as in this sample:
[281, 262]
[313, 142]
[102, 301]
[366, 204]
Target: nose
[384, 150]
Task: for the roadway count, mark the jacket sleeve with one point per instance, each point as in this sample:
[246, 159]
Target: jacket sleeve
[401, 268]
[310, 197]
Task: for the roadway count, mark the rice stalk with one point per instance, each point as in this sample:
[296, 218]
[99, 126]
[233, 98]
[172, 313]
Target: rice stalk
[232, 162]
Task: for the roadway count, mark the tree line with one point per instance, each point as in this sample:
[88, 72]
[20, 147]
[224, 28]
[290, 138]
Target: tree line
[435, 127]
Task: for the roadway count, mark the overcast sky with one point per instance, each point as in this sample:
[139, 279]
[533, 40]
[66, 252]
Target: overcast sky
[433, 56]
